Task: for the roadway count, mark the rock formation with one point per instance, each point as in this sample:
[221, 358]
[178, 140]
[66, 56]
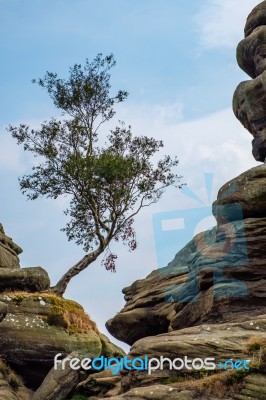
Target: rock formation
[249, 101]
[36, 324]
[210, 300]
[218, 276]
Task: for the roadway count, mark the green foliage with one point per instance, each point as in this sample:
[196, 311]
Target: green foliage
[172, 379]
[15, 384]
[236, 377]
[106, 185]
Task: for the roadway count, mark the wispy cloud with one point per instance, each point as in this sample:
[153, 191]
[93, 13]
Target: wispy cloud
[221, 22]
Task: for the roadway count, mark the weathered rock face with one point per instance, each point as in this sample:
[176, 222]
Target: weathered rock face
[243, 341]
[249, 105]
[256, 18]
[219, 276]
[249, 102]
[11, 385]
[34, 279]
[36, 324]
[58, 383]
[9, 251]
[222, 341]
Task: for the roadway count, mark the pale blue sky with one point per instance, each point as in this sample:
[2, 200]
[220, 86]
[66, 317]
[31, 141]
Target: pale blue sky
[156, 44]
[176, 59]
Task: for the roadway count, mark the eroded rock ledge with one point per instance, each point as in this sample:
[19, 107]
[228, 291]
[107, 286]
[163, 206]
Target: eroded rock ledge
[219, 276]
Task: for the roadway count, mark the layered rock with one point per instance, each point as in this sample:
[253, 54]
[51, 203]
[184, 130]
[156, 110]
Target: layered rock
[12, 277]
[249, 102]
[11, 385]
[210, 301]
[9, 251]
[219, 276]
[36, 324]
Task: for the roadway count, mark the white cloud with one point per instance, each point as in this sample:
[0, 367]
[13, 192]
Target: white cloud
[221, 22]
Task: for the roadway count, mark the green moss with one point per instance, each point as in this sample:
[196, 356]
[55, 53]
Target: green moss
[10, 376]
[172, 379]
[202, 373]
[236, 377]
[61, 313]
[15, 384]
[49, 298]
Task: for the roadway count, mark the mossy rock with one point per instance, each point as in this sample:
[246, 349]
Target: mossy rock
[40, 325]
[254, 387]
[11, 385]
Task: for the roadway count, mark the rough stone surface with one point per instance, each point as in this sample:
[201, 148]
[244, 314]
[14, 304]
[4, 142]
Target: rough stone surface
[3, 310]
[249, 105]
[33, 279]
[58, 383]
[243, 197]
[254, 388]
[219, 276]
[229, 341]
[8, 251]
[103, 383]
[251, 52]
[38, 326]
[256, 18]
[222, 341]
[249, 101]
[156, 392]
[11, 386]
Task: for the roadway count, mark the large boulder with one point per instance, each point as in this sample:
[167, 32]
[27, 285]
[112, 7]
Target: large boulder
[249, 102]
[32, 279]
[217, 277]
[256, 18]
[225, 343]
[38, 326]
[232, 340]
[249, 107]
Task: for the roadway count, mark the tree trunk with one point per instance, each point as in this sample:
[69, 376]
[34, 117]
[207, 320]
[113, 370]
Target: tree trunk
[61, 285]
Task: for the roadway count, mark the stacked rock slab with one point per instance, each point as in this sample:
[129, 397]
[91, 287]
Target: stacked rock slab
[11, 275]
[217, 277]
[36, 324]
[249, 102]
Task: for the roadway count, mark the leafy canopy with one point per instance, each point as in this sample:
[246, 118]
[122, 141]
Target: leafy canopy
[108, 184]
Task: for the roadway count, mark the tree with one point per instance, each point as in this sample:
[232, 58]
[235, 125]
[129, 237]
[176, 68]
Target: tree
[107, 184]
